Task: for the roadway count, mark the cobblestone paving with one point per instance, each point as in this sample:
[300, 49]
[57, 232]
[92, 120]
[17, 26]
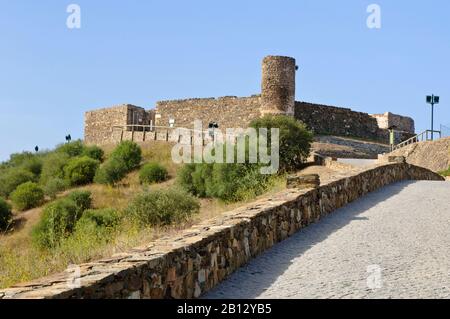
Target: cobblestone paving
[392, 243]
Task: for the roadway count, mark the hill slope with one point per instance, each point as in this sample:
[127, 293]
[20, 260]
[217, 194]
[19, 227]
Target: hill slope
[432, 155]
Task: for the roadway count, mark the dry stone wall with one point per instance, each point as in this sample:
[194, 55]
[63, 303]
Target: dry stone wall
[227, 112]
[402, 123]
[196, 260]
[330, 120]
[99, 124]
[338, 121]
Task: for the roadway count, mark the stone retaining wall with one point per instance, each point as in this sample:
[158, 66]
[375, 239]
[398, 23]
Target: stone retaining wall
[188, 265]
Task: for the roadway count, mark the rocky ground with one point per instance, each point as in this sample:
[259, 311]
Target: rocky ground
[342, 147]
[432, 155]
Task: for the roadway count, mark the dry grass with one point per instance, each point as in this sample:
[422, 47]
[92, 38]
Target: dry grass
[21, 261]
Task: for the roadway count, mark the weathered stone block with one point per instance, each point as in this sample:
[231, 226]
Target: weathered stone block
[303, 181]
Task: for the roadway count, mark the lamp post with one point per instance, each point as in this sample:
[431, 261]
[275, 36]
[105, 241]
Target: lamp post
[431, 99]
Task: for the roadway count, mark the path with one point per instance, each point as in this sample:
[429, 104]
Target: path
[392, 243]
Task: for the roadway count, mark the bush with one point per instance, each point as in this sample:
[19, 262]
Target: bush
[228, 182]
[5, 214]
[295, 139]
[128, 152]
[153, 173]
[27, 195]
[82, 199]
[162, 207]
[92, 231]
[53, 167]
[60, 218]
[80, 170]
[72, 149]
[27, 161]
[445, 173]
[108, 218]
[54, 186]
[185, 178]
[94, 152]
[111, 172]
[12, 178]
[58, 222]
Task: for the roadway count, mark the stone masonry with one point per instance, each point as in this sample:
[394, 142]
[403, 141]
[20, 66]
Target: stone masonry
[278, 85]
[99, 124]
[277, 97]
[199, 258]
[183, 113]
[388, 119]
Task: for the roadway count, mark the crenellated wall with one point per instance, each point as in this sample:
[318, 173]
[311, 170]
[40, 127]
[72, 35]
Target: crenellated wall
[197, 259]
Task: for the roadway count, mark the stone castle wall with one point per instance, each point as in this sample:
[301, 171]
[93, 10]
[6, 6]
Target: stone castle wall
[402, 123]
[199, 258]
[277, 97]
[278, 85]
[99, 124]
[330, 120]
[228, 112]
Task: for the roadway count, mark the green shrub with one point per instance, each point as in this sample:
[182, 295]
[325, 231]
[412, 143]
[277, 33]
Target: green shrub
[185, 178]
[111, 172]
[130, 153]
[12, 178]
[33, 165]
[237, 182]
[53, 166]
[153, 173]
[72, 149]
[162, 207]
[27, 195]
[93, 230]
[202, 180]
[5, 214]
[107, 217]
[445, 173]
[295, 139]
[80, 170]
[58, 222]
[54, 186]
[18, 159]
[94, 152]
[82, 199]
[228, 182]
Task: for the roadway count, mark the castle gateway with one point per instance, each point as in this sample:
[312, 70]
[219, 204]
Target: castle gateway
[130, 122]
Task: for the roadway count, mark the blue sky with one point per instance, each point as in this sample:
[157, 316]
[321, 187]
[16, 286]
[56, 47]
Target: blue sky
[141, 51]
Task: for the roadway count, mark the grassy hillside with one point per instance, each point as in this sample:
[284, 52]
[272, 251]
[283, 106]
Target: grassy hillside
[21, 260]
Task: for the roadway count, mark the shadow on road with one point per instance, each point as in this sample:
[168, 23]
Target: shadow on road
[263, 271]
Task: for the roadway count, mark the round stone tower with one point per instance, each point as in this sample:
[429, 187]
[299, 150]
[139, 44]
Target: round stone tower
[278, 85]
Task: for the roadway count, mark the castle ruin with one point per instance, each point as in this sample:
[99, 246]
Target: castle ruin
[130, 122]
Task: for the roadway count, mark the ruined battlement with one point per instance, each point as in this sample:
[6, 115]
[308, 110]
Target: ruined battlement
[277, 97]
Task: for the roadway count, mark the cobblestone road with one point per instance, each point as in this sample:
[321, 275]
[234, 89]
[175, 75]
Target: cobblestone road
[392, 243]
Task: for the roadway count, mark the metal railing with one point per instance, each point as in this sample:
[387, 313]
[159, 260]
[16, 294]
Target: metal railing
[424, 136]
